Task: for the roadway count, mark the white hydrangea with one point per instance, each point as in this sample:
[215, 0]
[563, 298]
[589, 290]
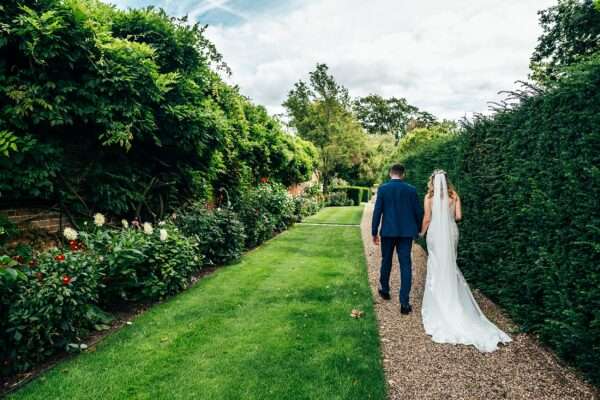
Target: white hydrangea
[99, 219]
[148, 229]
[70, 234]
[125, 223]
[163, 235]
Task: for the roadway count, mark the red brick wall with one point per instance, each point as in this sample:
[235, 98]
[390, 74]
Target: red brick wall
[35, 218]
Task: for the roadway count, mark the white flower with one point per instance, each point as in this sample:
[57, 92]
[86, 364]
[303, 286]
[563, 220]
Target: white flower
[125, 223]
[161, 223]
[148, 229]
[99, 219]
[70, 234]
[163, 235]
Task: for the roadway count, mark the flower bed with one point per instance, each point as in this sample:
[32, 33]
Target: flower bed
[51, 301]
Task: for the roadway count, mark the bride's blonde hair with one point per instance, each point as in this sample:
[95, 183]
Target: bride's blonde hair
[451, 190]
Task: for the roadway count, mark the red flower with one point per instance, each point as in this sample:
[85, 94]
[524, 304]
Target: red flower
[60, 257]
[264, 180]
[66, 279]
[73, 245]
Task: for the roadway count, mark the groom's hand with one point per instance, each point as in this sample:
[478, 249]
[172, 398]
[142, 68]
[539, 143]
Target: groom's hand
[376, 240]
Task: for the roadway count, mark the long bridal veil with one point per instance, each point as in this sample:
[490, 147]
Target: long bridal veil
[450, 313]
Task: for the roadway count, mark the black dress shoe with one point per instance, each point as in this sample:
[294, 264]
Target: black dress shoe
[384, 295]
[405, 309]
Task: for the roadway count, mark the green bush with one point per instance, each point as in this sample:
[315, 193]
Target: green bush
[338, 199]
[306, 206]
[529, 180]
[123, 260]
[172, 260]
[142, 263]
[264, 211]
[356, 194]
[219, 232]
[144, 119]
[52, 308]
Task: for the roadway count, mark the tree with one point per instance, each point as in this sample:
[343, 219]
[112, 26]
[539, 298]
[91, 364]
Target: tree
[123, 110]
[571, 30]
[421, 119]
[381, 116]
[320, 111]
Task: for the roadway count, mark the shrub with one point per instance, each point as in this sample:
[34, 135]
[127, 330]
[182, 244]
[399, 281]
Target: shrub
[123, 259]
[52, 307]
[338, 199]
[357, 194]
[171, 261]
[264, 211]
[50, 302]
[138, 265]
[306, 206]
[10, 276]
[219, 232]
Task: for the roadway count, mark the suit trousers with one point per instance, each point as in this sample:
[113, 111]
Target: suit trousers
[403, 246]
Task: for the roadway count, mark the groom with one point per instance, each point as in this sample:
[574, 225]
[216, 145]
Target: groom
[399, 210]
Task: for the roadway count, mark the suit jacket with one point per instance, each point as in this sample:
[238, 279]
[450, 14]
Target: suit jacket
[398, 203]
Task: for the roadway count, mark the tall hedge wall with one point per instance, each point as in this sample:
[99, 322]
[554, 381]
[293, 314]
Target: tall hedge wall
[529, 177]
[124, 112]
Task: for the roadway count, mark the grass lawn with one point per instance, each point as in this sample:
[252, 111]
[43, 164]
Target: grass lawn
[275, 326]
[337, 215]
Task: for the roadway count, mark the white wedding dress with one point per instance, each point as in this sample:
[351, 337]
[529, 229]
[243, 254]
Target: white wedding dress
[450, 313]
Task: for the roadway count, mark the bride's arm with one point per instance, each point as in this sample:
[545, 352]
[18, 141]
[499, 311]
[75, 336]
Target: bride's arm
[458, 210]
[426, 216]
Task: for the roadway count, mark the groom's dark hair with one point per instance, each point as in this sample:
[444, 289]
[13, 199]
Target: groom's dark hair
[397, 169]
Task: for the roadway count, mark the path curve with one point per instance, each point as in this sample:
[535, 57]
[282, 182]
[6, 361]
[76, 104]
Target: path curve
[416, 368]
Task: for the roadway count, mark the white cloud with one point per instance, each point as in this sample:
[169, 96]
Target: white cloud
[449, 58]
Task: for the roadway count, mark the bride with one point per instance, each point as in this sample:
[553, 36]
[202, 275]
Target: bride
[450, 313]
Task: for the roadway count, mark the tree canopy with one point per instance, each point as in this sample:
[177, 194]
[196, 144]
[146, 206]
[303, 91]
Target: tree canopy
[321, 112]
[124, 111]
[571, 31]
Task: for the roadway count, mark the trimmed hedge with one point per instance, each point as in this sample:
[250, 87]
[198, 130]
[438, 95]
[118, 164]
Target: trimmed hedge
[529, 178]
[338, 199]
[358, 194]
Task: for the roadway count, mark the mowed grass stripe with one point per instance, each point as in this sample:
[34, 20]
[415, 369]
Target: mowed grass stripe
[338, 215]
[276, 325]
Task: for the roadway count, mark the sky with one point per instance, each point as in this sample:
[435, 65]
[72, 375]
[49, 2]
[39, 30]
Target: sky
[447, 57]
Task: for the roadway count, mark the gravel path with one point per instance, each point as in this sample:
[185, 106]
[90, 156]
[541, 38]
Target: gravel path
[416, 368]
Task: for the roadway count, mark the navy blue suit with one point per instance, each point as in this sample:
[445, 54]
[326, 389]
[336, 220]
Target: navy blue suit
[399, 212]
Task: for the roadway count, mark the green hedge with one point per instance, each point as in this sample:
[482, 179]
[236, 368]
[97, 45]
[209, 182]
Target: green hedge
[123, 110]
[357, 194]
[529, 178]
